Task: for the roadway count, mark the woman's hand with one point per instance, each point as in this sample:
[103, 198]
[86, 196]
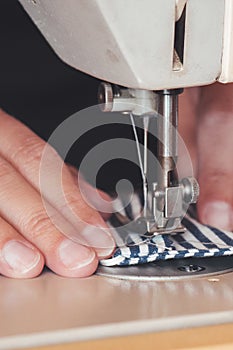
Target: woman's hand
[29, 236]
[206, 125]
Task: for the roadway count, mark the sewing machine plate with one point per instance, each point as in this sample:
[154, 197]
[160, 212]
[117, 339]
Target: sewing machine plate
[171, 270]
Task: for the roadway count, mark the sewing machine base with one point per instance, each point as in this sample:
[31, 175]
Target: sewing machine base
[176, 269]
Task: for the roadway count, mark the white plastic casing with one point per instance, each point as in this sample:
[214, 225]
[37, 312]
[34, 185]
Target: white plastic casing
[131, 43]
[227, 56]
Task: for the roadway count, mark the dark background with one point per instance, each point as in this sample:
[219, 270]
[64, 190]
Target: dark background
[40, 90]
[35, 85]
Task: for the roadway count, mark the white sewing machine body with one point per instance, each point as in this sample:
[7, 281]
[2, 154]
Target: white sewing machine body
[132, 43]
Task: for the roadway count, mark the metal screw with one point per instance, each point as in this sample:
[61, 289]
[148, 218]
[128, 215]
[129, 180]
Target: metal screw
[191, 189]
[191, 268]
[105, 97]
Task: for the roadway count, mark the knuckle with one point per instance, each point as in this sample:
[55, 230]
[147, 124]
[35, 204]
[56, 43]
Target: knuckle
[75, 207]
[37, 224]
[216, 179]
[5, 168]
[217, 117]
[218, 176]
[70, 202]
[30, 150]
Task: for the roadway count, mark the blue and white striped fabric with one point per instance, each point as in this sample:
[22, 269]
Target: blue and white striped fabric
[197, 241]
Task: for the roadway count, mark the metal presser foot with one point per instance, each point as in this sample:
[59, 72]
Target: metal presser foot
[166, 199]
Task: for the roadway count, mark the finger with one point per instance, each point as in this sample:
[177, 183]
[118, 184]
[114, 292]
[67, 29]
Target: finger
[18, 258]
[21, 206]
[92, 195]
[97, 199]
[215, 152]
[24, 152]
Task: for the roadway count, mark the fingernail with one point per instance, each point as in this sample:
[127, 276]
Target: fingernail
[19, 256]
[217, 214]
[74, 255]
[99, 239]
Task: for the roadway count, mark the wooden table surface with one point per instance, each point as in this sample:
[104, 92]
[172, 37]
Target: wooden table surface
[51, 312]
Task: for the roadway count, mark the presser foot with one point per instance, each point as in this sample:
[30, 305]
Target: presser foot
[147, 227]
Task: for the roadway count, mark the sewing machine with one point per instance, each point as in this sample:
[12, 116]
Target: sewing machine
[150, 49]
[146, 52]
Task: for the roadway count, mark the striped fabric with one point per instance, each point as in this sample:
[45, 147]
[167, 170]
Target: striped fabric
[197, 241]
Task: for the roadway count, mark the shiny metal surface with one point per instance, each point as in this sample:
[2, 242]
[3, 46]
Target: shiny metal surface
[170, 198]
[171, 270]
[168, 108]
[191, 189]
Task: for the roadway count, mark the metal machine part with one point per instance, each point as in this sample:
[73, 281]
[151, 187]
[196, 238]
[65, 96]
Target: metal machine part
[170, 197]
[170, 270]
[112, 98]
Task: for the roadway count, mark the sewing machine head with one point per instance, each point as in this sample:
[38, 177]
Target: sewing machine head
[153, 48]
